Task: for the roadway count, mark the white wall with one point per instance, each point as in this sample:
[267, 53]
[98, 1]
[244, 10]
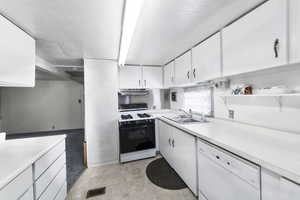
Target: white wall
[48, 104]
[264, 111]
[101, 111]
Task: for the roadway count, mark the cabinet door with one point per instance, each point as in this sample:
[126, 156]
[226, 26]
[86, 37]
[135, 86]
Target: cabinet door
[256, 41]
[169, 75]
[165, 137]
[206, 59]
[270, 185]
[183, 69]
[294, 19]
[130, 77]
[289, 190]
[152, 77]
[17, 52]
[184, 150]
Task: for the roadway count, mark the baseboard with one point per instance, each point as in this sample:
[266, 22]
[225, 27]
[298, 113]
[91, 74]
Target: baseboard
[61, 131]
[103, 164]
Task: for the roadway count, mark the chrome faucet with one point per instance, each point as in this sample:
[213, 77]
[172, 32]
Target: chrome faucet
[189, 114]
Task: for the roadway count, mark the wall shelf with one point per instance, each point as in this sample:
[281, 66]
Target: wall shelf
[264, 95]
[278, 97]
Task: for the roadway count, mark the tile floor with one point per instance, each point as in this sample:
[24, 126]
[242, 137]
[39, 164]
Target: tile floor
[124, 182]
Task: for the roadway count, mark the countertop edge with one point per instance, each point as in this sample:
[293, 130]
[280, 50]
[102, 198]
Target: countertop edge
[28, 163]
[264, 164]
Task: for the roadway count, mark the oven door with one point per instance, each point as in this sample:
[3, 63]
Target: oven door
[137, 136]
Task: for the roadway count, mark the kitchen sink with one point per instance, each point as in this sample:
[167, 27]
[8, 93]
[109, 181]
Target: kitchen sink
[183, 119]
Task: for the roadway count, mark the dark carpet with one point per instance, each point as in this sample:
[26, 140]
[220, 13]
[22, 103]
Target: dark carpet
[163, 175]
[74, 150]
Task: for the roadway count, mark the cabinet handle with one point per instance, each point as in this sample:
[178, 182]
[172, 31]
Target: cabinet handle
[139, 82]
[228, 163]
[188, 74]
[145, 82]
[173, 143]
[276, 47]
[218, 157]
[170, 141]
[194, 72]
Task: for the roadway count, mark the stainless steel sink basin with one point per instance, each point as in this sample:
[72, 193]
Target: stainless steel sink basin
[185, 119]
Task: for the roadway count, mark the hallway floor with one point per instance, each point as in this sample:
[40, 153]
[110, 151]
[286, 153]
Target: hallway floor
[124, 182]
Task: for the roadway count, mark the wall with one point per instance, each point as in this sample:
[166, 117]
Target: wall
[264, 111]
[101, 111]
[50, 105]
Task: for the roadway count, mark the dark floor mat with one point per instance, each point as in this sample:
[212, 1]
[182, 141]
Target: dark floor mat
[163, 175]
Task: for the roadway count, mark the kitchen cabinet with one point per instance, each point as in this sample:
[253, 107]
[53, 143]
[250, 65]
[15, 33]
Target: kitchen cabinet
[169, 75]
[275, 187]
[179, 149]
[130, 77]
[44, 179]
[183, 66]
[152, 77]
[17, 52]
[233, 177]
[165, 141]
[184, 151]
[256, 41]
[206, 59]
[294, 30]
[138, 77]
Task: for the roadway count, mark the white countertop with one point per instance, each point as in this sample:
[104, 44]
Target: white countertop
[17, 155]
[274, 150]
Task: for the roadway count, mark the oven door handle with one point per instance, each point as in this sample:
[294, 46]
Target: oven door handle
[135, 127]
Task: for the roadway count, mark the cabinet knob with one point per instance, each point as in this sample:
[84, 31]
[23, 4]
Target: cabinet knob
[218, 157]
[173, 143]
[188, 74]
[194, 72]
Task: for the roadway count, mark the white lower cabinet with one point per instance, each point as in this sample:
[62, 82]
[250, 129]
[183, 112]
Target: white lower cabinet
[44, 180]
[179, 149]
[275, 187]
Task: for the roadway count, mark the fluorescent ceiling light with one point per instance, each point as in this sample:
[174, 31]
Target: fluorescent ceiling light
[131, 14]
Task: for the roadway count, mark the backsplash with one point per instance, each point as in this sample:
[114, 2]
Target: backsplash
[263, 111]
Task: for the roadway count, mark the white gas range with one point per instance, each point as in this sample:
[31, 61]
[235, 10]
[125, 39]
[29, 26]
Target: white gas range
[137, 136]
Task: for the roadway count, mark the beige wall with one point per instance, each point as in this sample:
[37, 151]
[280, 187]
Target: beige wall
[50, 105]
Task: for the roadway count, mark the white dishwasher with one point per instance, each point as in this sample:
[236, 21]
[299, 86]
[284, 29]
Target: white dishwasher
[223, 176]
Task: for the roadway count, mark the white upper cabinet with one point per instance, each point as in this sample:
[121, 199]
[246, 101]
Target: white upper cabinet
[294, 19]
[206, 59]
[152, 77]
[130, 77]
[289, 190]
[169, 74]
[137, 77]
[183, 66]
[256, 41]
[17, 56]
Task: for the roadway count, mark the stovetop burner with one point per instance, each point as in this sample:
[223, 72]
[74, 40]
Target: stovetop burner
[143, 115]
[126, 116]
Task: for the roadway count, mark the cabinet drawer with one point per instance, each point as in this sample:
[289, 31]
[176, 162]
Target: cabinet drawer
[240, 167]
[18, 186]
[62, 194]
[46, 160]
[28, 195]
[52, 191]
[44, 180]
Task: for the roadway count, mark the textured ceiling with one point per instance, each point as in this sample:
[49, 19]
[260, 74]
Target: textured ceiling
[168, 28]
[69, 30]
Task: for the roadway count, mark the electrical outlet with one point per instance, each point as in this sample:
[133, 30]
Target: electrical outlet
[231, 114]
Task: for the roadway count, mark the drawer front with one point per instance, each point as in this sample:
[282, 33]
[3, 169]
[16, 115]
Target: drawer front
[18, 186]
[46, 160]
[28, 195]
[44, 180]
[52, 190]
[240, 167]
[62, 194]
